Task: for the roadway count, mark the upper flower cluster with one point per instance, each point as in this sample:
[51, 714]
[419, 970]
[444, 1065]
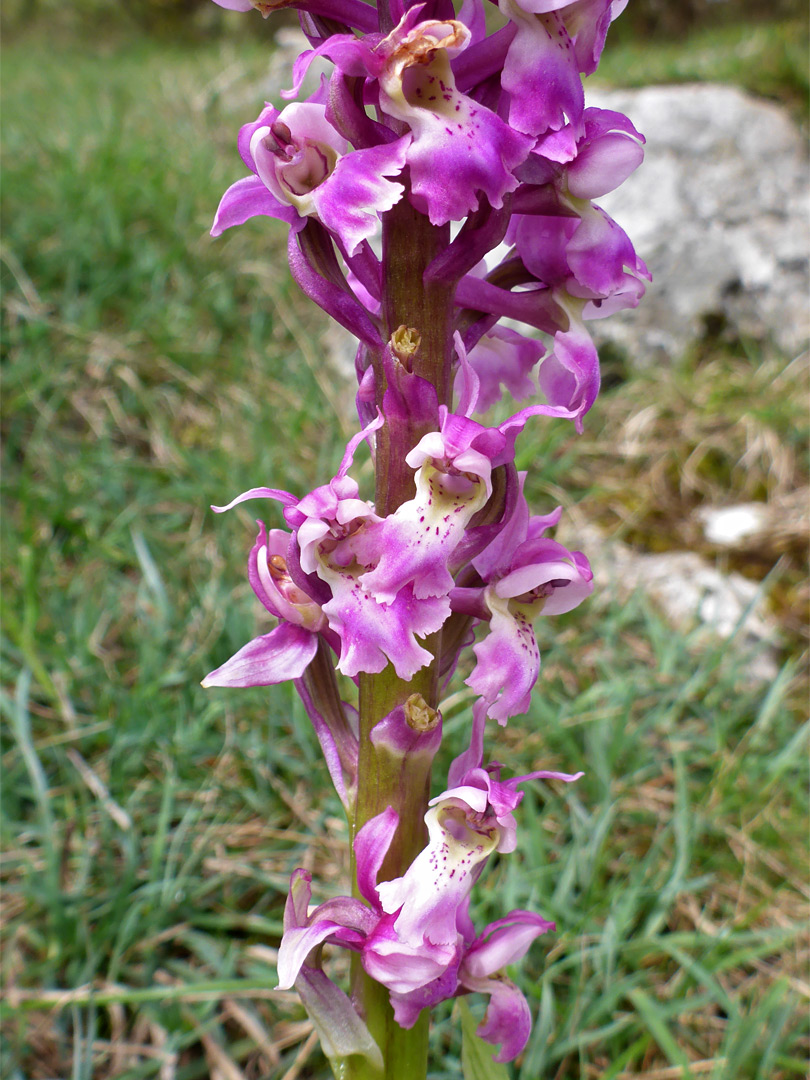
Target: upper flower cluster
[489, 131]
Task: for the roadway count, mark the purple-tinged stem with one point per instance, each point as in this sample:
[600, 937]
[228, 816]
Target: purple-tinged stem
[426, 312]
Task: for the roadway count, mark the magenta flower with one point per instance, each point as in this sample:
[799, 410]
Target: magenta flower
[305, 168]
[457, 147]
[285, 652]
[507, 1021]
[341, 540]
[525, 574]
[555, 41]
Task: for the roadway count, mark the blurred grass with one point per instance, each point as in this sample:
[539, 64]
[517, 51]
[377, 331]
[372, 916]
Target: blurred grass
[149, 828]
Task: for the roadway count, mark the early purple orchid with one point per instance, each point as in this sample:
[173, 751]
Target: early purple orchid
[439, 183]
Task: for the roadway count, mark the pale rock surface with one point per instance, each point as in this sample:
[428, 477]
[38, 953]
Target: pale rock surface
[728, 526]
[719, 211]
[690, 592]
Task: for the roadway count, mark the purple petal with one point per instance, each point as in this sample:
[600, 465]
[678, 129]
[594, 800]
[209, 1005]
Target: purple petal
[265, 118]
[598, 254]
[474, 755]
[407, 1007]
[371, 634]
[541, 73]
[507, 1020]
[235, 5]
[338, 744]
[297, 904]
[336, 298]
[246, 199]
[296, 945]
[570, 376]
[275, 587]
[539, 562]
[350, 201]
[535, 307]
[283, 497]
[370, 848]
[405, 966]
[283, 654]
[603, 166]
[508, 661]
[504, 942]
[502, 359]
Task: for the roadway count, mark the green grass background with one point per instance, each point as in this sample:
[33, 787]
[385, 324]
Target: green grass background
[149, 827]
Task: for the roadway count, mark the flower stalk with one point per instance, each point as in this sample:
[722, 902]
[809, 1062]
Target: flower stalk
[439, 180]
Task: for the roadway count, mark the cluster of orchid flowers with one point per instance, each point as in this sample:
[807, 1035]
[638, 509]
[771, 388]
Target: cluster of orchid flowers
[484, 136]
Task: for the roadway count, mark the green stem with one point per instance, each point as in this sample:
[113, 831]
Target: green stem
[410, 242]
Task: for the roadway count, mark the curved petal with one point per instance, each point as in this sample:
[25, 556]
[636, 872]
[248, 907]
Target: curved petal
[507, 1020]
[474, 755]
[570, 376]
[541, 73]
[508, 660]
[407, 1007]
[284, 653]
[249, 198]
[297, 903]
[271, 581]
[350, 201]
[297, 944]
[284, 497]
[370, 848]
[603, 165]
[504, 942]
[406, 966]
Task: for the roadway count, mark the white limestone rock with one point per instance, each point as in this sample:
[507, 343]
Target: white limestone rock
[719, 211]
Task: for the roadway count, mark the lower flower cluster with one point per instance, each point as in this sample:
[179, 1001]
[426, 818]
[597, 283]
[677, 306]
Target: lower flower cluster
[354, 592]
[414, 933]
